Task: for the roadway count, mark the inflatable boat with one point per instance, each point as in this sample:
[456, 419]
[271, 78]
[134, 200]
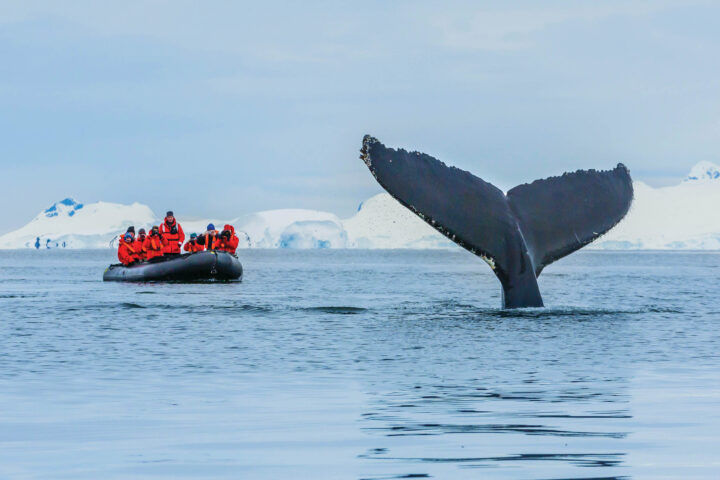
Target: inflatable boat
[190, 267]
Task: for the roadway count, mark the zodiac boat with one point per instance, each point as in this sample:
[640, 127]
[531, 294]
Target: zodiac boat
[208, 265]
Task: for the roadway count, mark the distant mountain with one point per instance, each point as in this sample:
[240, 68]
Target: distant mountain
[703, 171]
[381, 222]
[683, 216]
[70, 224]
[292, 228]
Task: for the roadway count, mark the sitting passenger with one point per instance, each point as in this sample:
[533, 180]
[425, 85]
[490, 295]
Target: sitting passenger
[228, 240]
[126, 251]
[154, 244]
[192, 245]
[210, 239]
[173, 234]
[138, 244]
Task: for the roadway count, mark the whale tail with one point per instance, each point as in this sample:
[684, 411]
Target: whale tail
[517, 234]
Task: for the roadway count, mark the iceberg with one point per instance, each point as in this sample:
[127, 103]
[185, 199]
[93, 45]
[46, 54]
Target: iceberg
[679, 217]
[703, 171]
[382, 222]
[69, 224]
[313, 234]
[292, 228]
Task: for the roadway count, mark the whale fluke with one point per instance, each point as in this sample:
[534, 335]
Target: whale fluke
[517, 234]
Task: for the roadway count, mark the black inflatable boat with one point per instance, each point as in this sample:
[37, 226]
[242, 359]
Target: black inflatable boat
[190, 267]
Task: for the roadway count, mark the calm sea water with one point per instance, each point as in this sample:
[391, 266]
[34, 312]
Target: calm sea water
[361, 365]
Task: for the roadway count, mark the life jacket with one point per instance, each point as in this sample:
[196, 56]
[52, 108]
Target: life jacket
[127, 253]
[229, 245]
[173, 240]
[209, 240]
[193, 246]
[139, 247]
[153, 247]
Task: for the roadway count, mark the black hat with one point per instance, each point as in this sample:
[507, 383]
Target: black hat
[131, 229]
[169, 213]
[142, 230]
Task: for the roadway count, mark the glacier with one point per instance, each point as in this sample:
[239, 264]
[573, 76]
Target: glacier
[69, 224]
[292, 228]
[382, 222]
[678, 217]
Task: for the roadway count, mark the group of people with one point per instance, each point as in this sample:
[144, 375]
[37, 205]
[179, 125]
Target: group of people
[167, 240]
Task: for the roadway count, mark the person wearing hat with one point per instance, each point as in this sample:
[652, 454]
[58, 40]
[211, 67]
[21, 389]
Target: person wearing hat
[172, 234]
[154, 244]
[139, 244]
[126, 250]
[210, 239]
[192, 245]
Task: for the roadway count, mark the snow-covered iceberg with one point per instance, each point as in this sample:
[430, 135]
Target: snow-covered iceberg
[382, 222]
[292, 228]
[69, 224]
[703, 171]
[679, 217]
[683, 216]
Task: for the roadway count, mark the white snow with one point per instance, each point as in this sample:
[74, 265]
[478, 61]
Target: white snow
[313, 234]
[382, 222]
[703, 171]
[292, 228]
[70, 224]
[683, 216]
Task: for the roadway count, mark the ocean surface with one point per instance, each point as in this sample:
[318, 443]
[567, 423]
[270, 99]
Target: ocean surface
[361, 365]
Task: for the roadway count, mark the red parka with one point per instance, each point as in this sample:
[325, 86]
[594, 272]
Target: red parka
[127, 253]
[173, 241]
[228, 245]
[139, 247]
[153, 246]
[193, 246]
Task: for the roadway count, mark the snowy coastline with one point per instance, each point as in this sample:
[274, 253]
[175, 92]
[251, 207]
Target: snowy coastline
[678, 217]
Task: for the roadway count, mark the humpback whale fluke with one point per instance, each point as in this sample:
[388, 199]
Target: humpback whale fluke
[517, 234]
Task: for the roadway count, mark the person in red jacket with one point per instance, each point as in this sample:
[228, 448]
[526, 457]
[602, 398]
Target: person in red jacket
[154, 244]
[172, 234]
[138, 244]
[192, 245]
[126, 250]
[228, 240]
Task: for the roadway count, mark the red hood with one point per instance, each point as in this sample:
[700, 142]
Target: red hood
[229, 227]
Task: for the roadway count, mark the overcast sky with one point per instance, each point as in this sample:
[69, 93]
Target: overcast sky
[215, 109]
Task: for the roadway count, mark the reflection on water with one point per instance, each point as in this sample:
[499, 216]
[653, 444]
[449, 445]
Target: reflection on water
[360, 365]
[520, 393]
